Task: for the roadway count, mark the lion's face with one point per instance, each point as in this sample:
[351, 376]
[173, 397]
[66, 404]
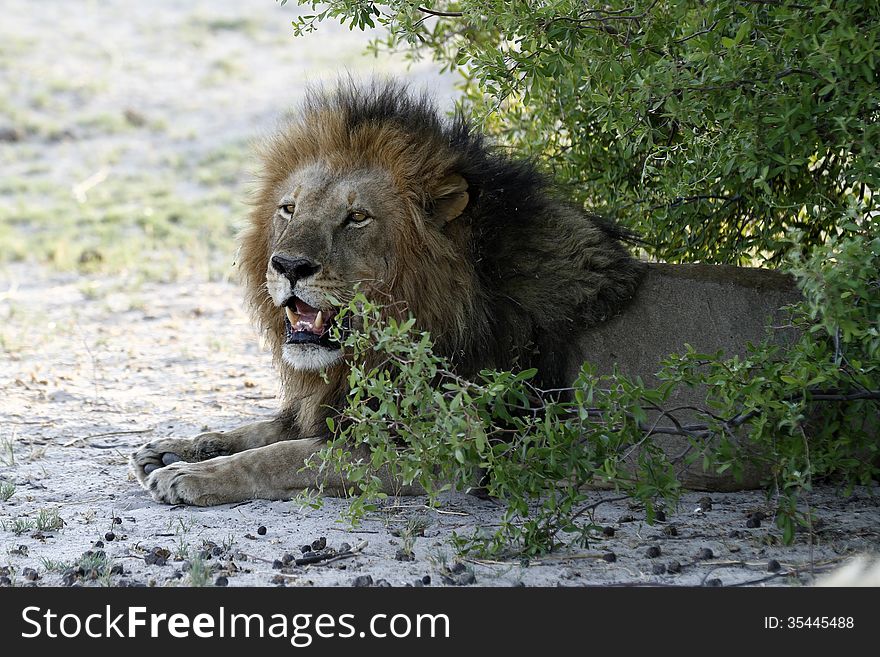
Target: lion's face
[330, 232]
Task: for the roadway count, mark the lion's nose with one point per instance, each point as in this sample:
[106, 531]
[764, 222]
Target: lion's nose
[294, 269]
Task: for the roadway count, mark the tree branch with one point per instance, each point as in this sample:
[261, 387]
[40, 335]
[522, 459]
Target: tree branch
[442, 14]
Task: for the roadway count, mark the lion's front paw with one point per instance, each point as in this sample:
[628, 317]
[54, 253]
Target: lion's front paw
[186, 483]
[157, 454]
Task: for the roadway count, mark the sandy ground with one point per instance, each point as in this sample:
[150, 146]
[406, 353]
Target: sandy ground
[93, 366]
[101, 368]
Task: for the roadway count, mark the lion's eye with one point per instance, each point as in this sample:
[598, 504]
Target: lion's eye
[358, 218]
[287, 209]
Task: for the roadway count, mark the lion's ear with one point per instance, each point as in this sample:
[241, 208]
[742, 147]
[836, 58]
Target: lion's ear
[450, 198]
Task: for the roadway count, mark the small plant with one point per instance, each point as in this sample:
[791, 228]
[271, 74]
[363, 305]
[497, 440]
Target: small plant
[412, 529]
[7, 451]
[53, 566]
[182, 549]
[49, 520]
[199, 572]
[94, 565]
[7, 490]
[18, 526]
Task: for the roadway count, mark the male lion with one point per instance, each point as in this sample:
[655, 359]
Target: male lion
[370, 187]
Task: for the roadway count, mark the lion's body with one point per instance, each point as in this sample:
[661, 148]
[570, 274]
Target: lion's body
[371, 187]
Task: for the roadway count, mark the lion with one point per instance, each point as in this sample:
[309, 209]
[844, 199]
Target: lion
[369, 187]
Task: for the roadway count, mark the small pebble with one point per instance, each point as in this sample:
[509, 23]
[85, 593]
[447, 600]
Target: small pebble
[261, 530]
[287, 558]
[221, 581]
[116, 569]
[705, 553]
[652, 552]
[383, 583]
[426, 580]
[117, 521]
[608, 531]
[706, 503]
[319, 544]
[753, 522]
[773, 566]
[30, 574]
[153, 559]
[404, 555]
[109, 536]
[609, 557]
[277, 564]
[362, 580]
[99, 544]
[713, 582]
[466, 579]
[670, 530]
[457, 567]
[660, 515]
[673, 567]
[305, 548]
[658, 569]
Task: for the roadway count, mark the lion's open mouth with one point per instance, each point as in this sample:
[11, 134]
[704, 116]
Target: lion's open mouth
[307, 325]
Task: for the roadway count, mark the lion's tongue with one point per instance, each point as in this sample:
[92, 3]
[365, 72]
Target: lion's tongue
[307, 318]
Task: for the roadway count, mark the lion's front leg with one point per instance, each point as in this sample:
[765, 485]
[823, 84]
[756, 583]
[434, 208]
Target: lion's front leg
[167, 451]
[271, 472]
[274, 472]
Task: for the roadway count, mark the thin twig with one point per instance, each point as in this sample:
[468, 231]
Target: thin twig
[442, 14]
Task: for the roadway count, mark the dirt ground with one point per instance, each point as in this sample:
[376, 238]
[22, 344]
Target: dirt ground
[159, 97]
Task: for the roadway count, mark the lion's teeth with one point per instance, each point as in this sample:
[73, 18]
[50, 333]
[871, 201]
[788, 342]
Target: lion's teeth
[319, 320]
[292, 317]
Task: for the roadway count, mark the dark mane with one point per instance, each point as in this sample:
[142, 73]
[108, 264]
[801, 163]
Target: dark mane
[507, 284]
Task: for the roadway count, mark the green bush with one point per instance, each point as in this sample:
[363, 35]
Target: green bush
[428, 426]
[712, 128]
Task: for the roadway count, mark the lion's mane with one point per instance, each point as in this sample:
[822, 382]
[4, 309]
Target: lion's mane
[507, 284]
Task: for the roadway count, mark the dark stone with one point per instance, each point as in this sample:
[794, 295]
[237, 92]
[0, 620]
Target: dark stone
[466, 579]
